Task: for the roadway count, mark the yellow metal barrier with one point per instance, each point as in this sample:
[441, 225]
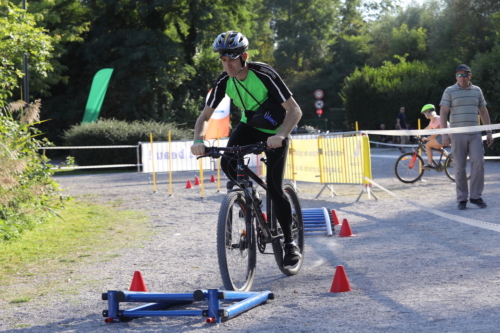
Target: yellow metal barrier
[342, 158]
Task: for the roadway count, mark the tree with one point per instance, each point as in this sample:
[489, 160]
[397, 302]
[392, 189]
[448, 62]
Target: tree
[373, 95]
[304, 31]
[161, 54]
[18, 36]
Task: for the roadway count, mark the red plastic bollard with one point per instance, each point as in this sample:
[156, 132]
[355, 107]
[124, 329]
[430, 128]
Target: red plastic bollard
[210, 320]
[109, 320]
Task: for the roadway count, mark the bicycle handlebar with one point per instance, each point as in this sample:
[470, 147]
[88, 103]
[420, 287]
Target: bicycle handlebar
[256, 148]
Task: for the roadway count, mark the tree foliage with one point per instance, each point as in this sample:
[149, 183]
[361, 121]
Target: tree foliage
[19, 36]
[373, 96]
[163, 63]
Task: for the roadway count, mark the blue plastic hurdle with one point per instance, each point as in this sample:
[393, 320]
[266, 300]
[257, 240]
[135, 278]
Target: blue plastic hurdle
[158, 303]
[317, 221]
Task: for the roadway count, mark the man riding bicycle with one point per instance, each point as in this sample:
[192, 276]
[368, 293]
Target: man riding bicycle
[264, 98]
[433, 141]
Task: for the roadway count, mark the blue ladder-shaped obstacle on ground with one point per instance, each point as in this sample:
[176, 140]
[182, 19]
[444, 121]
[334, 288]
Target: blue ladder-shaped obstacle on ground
[317, 221]
[158, 303]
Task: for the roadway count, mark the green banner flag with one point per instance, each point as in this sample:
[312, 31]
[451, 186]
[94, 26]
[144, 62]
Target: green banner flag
[96, 96]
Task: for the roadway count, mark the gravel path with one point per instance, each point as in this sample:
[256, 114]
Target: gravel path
[410, 270]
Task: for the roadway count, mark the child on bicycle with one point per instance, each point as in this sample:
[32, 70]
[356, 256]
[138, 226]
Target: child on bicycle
[433, 141]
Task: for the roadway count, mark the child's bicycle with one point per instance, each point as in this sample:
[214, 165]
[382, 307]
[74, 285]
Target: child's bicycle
[409, 167]
[243, 226]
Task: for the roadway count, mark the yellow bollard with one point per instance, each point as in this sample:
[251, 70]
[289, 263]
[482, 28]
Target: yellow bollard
[170, 181]
[202, 187]
[218, 164]
[420, 150]
[152, 162]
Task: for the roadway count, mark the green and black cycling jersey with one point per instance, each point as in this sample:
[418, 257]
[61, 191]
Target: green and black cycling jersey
[262, 82]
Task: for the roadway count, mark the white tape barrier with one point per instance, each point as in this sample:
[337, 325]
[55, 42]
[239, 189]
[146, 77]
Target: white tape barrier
[464, 220]
[88, 147]
[96, 167]
[393, 144]
[456, 130]
[496, 135]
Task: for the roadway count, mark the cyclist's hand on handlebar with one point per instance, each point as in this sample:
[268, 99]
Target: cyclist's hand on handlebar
[275, 141]
[198, 148]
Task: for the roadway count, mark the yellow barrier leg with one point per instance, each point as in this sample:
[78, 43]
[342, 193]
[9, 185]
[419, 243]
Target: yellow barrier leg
[152, 162]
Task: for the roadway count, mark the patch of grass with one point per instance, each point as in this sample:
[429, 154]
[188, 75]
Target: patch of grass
[51, 253]
[20, 300]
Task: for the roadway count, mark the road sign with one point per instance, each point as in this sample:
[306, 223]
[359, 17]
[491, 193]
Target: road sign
[319, 112]
[319, 104]
[319, 94]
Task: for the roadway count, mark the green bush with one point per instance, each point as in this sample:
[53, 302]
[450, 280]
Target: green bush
[117, 132]
[28, 194]
[373, 96]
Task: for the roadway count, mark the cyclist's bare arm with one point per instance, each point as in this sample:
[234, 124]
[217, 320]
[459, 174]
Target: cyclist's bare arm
[292, 117]
[200, 128]
[443, 113]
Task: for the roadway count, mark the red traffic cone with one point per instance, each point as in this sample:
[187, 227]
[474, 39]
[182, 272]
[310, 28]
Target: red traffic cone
[196, 181]
[340, 282]
[188, 184]
[212, 179]
[335, 218]
[345, 230]
[138, 283]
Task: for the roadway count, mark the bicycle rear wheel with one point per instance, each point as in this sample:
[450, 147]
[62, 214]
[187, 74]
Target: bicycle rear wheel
[449, 164]
[408, 167]
[297, 232]
[237, 257]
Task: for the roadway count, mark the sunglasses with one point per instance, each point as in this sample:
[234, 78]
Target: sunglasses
[231, 55]
[463, 75]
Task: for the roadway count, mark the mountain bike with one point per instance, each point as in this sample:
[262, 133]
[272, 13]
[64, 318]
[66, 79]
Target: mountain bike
[409, 167]
[243, 227]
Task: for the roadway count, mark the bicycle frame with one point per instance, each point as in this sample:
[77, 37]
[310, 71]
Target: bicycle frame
[269, 227]
[443, 153]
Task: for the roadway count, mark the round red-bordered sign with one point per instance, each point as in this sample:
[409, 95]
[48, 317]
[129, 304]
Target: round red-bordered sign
[319, 94]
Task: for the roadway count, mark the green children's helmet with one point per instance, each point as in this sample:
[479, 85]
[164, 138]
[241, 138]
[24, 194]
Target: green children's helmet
[428, 108]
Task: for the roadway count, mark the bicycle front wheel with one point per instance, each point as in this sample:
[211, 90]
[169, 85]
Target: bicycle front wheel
[297, 232]
[235, 247]
[408, 167]
[449, 167]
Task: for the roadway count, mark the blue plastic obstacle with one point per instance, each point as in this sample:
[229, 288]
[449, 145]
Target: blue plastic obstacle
[158, 303]
[317, 221]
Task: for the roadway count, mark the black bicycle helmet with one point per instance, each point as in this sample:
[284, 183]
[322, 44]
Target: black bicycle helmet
[231, 44]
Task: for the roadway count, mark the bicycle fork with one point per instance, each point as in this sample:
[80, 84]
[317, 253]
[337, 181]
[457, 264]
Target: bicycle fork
[413, 159]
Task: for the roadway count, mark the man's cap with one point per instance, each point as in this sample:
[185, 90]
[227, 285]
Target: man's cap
[463, 67]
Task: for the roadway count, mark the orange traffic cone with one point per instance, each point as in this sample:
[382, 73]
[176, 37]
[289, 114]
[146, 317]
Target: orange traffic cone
[212, 179]
[188, 184]
[196, 181]
[335, 218]
[138, 283]
[340, 282]
[345, 230]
